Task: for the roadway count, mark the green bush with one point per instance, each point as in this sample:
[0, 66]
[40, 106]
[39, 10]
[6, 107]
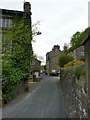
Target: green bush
[64, 59]
[79, 72]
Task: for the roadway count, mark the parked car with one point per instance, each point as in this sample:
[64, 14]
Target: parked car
[55, 73]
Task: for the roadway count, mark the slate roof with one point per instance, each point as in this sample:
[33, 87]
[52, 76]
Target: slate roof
[87, 38]
[12, 12]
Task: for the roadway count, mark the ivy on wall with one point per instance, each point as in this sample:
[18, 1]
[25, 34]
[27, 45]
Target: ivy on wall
[17, 56]
[79, 72]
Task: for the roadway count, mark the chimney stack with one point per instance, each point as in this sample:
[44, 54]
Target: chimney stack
[27, 7]
[56, 47]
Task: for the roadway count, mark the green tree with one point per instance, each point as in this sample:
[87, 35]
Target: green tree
[64, 59]
[77, 38]
[45, 67]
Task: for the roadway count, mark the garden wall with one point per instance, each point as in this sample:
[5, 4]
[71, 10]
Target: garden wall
[74, 92]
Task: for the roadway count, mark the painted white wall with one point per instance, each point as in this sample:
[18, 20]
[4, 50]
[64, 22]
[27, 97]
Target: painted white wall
[37, 74]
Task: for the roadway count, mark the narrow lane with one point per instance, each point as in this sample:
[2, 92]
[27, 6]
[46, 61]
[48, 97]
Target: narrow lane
[46, 101]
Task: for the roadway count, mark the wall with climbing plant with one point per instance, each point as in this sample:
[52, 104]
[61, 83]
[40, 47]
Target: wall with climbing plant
[74, 88]
[17, 55]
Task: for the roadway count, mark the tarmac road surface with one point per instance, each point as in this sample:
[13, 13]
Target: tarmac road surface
[45, 101]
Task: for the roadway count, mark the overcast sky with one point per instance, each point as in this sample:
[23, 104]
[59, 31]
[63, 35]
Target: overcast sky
[59, 20]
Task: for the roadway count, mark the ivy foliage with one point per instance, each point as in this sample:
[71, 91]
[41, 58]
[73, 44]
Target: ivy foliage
[79, 72]
[17, 56]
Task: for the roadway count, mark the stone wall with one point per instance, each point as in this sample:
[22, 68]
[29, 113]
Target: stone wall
[23, 87]
[74, 92]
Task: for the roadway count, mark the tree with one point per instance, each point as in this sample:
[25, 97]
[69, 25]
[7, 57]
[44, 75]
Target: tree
[45, 67]
[65, 48]
[64, 59]
[77, 38]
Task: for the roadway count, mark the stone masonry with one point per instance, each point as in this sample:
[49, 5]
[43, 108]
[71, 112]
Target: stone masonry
[52, 59]
[74, 92]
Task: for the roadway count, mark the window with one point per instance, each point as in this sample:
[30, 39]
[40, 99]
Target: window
[9, 22]
[1, 22]
[33, 63]
[82, 53]
[6, 22]
[6, 47]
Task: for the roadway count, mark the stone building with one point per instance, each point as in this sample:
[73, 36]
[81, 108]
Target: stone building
[52, 59]
[86, 44]
[36, 67]
[78, 53]
[7, 18]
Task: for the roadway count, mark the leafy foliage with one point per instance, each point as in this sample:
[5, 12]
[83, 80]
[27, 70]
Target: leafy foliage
[64, 59]
[77, 38]
[79, 72]
[17, 56]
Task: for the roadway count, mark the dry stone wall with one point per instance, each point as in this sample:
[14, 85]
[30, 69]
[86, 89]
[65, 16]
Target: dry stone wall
[74, 92]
